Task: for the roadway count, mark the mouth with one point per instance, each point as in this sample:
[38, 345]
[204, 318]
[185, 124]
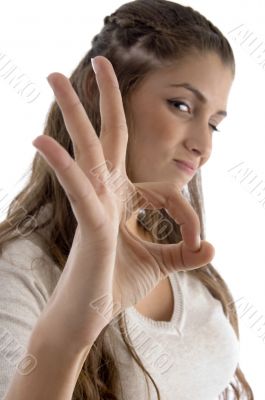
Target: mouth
[184, 167]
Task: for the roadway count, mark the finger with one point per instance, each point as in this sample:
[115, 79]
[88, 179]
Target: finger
[114, 132]
[171, 257]
[166, 195]
[179, 257]
[87, 147]
[82, 196]
[199, 258]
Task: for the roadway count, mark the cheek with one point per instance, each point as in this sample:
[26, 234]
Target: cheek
[164, 126]
[154, 133]
[165, 136]
[158, 131]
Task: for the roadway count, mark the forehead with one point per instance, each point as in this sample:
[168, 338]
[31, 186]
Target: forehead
[205, 72]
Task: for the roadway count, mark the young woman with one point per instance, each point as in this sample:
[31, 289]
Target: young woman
[105, 274]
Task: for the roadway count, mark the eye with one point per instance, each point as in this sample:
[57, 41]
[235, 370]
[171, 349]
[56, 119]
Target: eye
[214, 128]
[178, 103]
[181, 103]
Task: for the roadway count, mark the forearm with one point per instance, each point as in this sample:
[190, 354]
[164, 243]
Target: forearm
[55, 374]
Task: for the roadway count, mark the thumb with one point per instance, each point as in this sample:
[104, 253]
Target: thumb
[157, 195]
[178, 256]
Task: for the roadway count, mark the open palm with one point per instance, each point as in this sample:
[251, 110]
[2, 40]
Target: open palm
[101, 209]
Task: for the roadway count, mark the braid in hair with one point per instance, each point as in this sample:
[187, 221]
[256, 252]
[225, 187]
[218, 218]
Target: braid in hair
[125, 23]
[126, 28]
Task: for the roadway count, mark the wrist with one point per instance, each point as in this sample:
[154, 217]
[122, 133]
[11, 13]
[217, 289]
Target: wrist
[47, 336]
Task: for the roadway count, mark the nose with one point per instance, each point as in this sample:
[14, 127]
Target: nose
[199, 139]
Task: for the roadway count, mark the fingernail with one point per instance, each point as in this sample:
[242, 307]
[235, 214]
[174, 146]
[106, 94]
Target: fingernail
[198, 241]
[94, 65]
[50, 82]
[34, 142]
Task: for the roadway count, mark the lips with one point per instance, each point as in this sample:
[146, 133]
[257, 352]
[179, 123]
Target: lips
[188, 164]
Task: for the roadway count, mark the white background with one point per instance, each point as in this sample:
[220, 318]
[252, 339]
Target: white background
[44, 37]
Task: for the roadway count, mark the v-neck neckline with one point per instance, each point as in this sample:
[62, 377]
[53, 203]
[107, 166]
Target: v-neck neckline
[176, 321]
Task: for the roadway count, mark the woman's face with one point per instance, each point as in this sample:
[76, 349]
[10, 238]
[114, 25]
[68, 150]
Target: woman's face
[163, 131]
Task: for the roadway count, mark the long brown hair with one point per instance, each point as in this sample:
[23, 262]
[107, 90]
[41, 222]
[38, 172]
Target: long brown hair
[137, 38]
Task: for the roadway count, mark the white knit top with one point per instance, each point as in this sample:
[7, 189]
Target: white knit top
[191, 357]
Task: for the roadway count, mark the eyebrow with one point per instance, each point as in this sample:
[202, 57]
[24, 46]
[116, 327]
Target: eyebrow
[198, 94]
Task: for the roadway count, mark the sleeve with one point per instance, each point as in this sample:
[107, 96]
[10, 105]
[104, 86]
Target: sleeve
[27, 279]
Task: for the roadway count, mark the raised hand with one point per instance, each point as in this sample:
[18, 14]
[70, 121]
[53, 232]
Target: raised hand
[107, 264]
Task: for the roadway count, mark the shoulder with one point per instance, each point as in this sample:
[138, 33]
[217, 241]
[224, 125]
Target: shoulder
[25, 264]
[28, 277]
